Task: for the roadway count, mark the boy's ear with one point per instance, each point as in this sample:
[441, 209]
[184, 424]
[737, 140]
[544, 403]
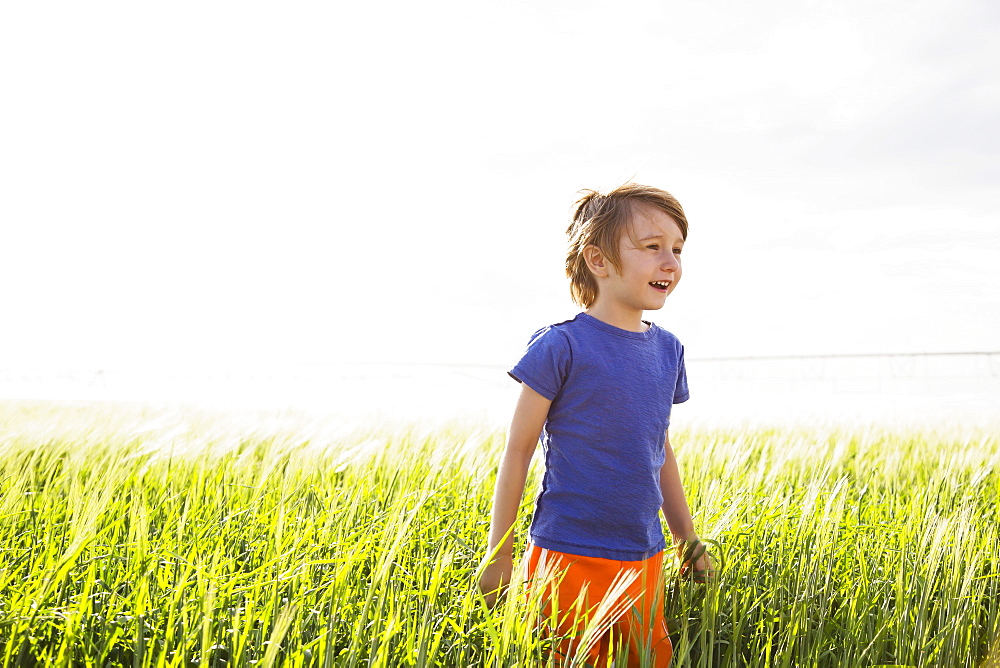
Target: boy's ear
[596, 262]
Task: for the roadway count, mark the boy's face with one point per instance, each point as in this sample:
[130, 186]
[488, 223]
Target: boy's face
[650, 262]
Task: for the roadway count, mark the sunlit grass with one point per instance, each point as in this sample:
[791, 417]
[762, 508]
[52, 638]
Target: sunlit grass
[135, 536]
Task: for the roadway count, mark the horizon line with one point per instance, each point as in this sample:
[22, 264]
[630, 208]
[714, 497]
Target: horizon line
[480, 365]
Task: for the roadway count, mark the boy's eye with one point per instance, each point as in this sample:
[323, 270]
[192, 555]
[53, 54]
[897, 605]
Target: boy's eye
[653, 246]
[677, 251]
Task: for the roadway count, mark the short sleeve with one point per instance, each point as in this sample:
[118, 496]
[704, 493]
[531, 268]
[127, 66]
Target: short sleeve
[681, 389]
[545, 363]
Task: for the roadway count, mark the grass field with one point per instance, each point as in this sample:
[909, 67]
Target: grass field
[141, 537]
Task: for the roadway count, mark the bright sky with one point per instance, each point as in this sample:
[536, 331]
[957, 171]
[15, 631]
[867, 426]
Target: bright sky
[206, 183]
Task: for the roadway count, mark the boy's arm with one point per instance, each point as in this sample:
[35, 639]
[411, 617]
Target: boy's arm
[525, 428]
[675, 506]
[676, 511]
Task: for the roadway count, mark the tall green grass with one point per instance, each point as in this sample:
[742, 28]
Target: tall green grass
[136, 537]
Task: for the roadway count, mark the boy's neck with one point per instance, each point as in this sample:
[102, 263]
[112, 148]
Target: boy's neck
[626, 319]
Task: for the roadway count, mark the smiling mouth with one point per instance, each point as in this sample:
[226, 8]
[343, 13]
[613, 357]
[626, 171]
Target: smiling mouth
[663, 286]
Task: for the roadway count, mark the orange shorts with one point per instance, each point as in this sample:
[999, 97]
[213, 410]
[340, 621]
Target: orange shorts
[600, 605]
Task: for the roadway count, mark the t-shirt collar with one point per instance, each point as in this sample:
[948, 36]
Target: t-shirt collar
[611, 329]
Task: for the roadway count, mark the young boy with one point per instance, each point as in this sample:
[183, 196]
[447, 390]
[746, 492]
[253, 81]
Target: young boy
[598, 389]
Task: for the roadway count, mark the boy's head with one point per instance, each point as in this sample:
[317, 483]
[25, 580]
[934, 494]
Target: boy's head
[601, 220]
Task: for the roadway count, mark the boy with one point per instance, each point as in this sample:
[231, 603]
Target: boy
[598, 390]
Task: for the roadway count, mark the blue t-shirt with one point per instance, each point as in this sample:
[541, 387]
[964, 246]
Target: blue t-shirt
[603, 440]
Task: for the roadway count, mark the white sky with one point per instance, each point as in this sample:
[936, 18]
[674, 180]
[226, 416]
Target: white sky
[204, 183]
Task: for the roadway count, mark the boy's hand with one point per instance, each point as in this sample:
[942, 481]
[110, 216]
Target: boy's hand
[695, 561]
[495, 578]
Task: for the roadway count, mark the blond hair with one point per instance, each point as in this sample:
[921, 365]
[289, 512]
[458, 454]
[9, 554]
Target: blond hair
[599, 219]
